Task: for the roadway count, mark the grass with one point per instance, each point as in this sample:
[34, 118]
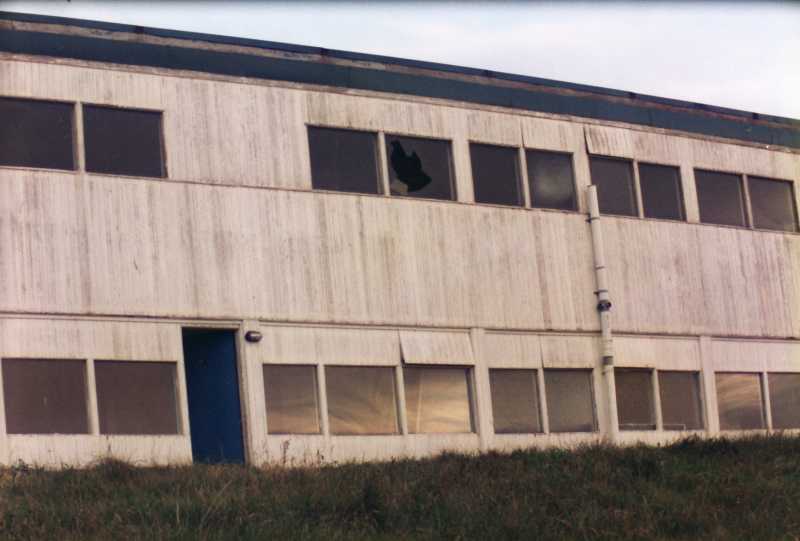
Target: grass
[695, 489]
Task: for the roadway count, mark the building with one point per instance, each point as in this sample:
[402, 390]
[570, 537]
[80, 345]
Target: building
[235, 250]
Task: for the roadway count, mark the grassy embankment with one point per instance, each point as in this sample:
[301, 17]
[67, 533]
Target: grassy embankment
[719, 489]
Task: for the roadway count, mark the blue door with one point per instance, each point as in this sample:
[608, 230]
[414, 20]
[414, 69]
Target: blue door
[212, 388]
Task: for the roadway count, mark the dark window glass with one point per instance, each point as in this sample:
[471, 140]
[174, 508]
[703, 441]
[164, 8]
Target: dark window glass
[419, 167]
[680, 400]
[343, 160]
[739, 401]
[635, 406]
[291, 397]
[361, 400]
[570, 400]
[136, 397]
[36, 133]
[719, 196]
[784, 397]
[614, 180]
[773, 205]
[123, 141]
[437, 399]
[515, 401]
[45, 396]
[551, 180]
[495, 174]
[661, 191]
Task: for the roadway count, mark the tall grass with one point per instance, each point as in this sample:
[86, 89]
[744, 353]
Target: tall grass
[695, 489]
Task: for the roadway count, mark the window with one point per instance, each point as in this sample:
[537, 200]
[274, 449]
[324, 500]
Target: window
[291, 398]
[681, 408]
[44, 396]
[661, 192]
[36, 133]
[614, 180]
[123, 141]
[361, 400]
[515, 401]
[344, 160]
[419, 167]
[772, 203]
[739, 401]
[136, 397]
[495, 174]
[570, 400]
[551, 180]
[719, 196]
[784, 398]
[635, 406]
[437, 399]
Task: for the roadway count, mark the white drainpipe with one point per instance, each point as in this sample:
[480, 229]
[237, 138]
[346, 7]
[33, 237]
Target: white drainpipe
[604, 310]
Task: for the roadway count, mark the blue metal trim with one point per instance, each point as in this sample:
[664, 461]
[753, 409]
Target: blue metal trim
[593, 103]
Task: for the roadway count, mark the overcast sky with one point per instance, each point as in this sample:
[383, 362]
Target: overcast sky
[740, 55]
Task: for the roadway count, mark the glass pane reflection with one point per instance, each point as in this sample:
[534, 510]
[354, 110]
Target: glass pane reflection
[784, 397]
[515, 401]
[739, 401]
[570, 400]
[551, 180]
[772, 202]
[719, 196]
[635, 399]
[680, 400]
[361, 400]
[437, 399]
[291, 397]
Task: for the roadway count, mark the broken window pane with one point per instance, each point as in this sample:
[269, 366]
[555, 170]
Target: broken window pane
[635, 406]
[570, 400]
[419, 167]
[515, 401]
[36, 133]
[719, 196]
[739, 401]
[136, 397]
[344, 160]
[437, 399]
[661, 191]
[44, 396]
[772, 202]
[495, 174]
[291, 397]
[681, 408]
[784, 397]
[123, 141]
[361, 400]
[551, 180]
[614, 180]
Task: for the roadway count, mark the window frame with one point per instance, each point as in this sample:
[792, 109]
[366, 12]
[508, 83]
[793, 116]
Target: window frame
[379, 159]
[472, 402]
[317, 395]
[328, 430]
[527, 180]
[792, 201]
[383, 139]
[76, 135]
[746, 213]
[763, 400]
[81, 105]
[534, 374]
[681, 195]
[701, 398]
[524, 198]
[596, 428]
[635, 187]
[655, 409]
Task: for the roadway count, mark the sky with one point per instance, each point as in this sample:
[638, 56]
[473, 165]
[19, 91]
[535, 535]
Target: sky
[740, 55]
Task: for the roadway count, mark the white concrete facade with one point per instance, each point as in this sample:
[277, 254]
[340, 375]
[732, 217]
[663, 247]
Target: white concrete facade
[104, 267]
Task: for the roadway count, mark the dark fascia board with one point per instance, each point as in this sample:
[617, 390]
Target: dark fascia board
[583, 100]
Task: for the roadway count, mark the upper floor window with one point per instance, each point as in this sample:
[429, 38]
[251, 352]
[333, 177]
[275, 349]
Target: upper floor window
[720, 198]
[772, 204]
[551, 180]
[495, 174]
[614, 180]
[420, 167]
[36, 133]
[661, 192]
[123, 141]
[344, 160]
